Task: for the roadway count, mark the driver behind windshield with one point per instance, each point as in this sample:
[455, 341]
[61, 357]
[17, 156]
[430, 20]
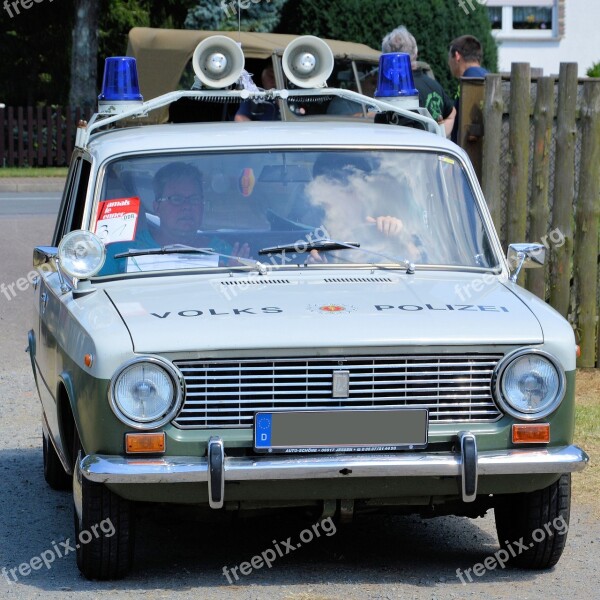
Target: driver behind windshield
[179, 206]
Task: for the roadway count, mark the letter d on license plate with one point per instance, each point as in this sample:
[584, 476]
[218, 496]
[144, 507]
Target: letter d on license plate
[340, 430]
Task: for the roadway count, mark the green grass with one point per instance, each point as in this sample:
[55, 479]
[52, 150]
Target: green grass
[33, 172]
[586, 484]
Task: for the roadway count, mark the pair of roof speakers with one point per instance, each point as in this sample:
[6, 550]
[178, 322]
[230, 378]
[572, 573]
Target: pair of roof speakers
[218, 62]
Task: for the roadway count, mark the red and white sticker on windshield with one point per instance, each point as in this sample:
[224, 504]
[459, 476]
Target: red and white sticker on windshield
[117, 219]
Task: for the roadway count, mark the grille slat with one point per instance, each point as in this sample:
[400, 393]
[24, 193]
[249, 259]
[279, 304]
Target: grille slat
[227, 393]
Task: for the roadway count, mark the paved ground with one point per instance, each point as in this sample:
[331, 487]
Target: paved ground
[181, 557]
[31, 184]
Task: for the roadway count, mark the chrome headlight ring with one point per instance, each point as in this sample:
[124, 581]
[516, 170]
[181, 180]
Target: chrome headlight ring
[549, 405]
[171, 409]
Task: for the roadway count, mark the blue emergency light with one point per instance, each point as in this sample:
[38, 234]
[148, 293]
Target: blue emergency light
[395, 76]
[120, 83]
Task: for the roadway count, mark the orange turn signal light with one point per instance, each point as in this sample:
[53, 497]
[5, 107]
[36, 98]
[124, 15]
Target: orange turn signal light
[144, 442]
[530, 433]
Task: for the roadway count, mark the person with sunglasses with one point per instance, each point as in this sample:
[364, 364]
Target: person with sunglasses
[179, 208]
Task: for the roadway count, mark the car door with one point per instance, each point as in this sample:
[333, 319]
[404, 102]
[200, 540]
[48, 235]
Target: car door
[51, 291]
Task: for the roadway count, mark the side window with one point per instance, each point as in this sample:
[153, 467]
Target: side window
[73, 202]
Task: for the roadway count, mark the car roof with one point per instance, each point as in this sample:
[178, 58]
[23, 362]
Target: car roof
[162, 54]
[237, 136]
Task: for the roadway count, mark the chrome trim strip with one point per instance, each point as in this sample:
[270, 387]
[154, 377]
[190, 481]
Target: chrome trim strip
[186, 469]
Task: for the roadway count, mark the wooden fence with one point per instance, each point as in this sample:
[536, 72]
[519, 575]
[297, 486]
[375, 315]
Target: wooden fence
[535, 143]
[38, 137]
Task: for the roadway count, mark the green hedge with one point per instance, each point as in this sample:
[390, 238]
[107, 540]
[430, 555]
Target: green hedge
[434, 23]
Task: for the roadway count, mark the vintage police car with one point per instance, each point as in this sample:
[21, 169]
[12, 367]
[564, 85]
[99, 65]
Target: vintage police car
[283, 314]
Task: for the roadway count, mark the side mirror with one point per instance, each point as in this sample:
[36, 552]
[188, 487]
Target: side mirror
[526, 256]
[43, 255]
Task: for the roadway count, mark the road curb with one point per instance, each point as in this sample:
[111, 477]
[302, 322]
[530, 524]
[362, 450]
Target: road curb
[32, 184]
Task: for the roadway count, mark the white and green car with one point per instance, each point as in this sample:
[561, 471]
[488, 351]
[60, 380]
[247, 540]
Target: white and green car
[312, 314]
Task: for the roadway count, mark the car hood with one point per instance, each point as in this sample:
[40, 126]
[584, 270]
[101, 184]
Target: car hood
[188, 313]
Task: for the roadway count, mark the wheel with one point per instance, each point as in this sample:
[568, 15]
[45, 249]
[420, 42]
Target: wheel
[532, 527]
[104, 528]
[54, 474]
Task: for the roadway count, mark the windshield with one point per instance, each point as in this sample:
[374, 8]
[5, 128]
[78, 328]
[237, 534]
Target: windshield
[397, 205]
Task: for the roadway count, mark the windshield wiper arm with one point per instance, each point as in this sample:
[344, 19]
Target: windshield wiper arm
[328, 244]
[181, 249]
[165, 250]
[303, 247]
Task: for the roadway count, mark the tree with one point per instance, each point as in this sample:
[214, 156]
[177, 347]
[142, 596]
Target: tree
[84, 54]
[35, 53]
[251, 15]
[434, 24]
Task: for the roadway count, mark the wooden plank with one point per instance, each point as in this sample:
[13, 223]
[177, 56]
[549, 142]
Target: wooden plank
[49, 138]
[493, 108]
[30, 137]
[2, 137]
[539, 209]
[564, 188]
[10, 125]
[20, 148]
[59, 138]
[69, 134]
[470, 126]
[39, 117]
[588, 223]
[518, 153]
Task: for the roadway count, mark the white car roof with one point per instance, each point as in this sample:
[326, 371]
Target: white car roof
[232, 135]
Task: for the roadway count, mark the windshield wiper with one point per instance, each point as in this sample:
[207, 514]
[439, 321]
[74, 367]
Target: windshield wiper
[181, 249]
[308, 246]
[329, 244]
[175, 249]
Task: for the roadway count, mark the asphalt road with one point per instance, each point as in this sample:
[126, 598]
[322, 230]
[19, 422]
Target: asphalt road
[178, 556]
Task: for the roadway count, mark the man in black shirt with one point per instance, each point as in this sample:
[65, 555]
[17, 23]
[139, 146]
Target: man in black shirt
[431, 94]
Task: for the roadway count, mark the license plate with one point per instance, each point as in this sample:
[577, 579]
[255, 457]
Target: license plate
[340, 430]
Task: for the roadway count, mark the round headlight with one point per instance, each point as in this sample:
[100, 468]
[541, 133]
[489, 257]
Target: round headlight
[530, 384]
[146, 393]
[81, 254]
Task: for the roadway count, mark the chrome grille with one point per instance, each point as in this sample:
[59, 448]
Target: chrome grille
[227, 393]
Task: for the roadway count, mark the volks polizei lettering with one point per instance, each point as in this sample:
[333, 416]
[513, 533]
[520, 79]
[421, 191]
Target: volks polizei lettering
[213, 312]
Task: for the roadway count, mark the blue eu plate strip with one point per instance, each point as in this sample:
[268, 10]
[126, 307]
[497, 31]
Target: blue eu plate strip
[262, 433]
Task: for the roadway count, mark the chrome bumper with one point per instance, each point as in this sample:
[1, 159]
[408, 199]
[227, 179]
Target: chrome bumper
[220, 468]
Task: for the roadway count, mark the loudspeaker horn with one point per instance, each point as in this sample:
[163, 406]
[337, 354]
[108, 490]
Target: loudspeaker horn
[308, 62]
[218, 61]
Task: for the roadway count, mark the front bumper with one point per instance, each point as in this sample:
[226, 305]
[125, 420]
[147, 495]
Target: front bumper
[216, 468]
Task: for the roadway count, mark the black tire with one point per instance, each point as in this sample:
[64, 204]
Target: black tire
[54, 474]
[98, 555]
[521, 517]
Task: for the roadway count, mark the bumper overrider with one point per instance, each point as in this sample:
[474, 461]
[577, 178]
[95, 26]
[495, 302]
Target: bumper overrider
[216, 468]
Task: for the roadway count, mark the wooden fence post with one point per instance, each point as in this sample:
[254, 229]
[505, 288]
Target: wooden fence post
[20, 153]
[470, 125]
[588, 222]
[564, 188]
[2, 138]
[518, 152]
[492, 146]
[539, 208]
